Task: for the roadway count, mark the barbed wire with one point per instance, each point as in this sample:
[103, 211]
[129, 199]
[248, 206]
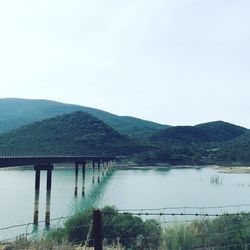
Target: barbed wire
[138, 214]
[177, 214]
[188, 207]
[205, 233]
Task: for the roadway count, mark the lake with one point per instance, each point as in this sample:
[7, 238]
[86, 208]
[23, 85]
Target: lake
[176, 190]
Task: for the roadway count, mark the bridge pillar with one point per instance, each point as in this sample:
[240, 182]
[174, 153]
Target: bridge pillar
[37, 180]
[37, 193]
[93, 179]
[49, 178]
[107, 167]
[103, 168]
[99, 165]
[48, 202]
[48, 195]
[38, 169]
[36, 207]
[76, 178]
[83, 178]
[111, 164]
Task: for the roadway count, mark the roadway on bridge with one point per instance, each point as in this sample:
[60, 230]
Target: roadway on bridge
[17, 161]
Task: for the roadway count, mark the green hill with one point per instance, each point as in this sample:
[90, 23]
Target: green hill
[77, 133]
[15, 113]
[236, 150]
[218, 131]
[208, 143]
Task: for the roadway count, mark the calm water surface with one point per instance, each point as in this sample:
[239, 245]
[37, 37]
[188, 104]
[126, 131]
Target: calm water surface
[126, 189]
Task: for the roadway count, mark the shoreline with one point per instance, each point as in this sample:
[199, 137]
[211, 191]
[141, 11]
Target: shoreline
[225, 168]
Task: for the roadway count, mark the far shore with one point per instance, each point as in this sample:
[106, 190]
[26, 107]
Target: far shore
[225, 168]
[230, 168]
[233, 170]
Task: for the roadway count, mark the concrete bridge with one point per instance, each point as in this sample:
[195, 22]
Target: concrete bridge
[46, 163]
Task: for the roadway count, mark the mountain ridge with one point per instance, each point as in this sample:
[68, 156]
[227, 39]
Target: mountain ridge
[217, 131]
[77, 133]
[17, 112]
[149, 142]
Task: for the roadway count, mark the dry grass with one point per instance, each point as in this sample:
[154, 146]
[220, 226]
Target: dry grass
[23, 244]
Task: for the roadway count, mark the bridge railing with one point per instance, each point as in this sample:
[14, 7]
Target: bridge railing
[15, 154]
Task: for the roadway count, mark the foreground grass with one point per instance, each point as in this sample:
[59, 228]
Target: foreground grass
[48, 245]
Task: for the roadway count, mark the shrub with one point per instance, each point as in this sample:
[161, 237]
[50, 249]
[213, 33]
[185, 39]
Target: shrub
[227, 231]
[126, 229]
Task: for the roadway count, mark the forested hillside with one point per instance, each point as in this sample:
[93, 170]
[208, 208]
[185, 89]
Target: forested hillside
[209, 143]
[218, 131]
[15, 113]
[99, 132]
[77, 133]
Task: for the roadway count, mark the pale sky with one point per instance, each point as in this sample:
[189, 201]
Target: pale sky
[170, 61]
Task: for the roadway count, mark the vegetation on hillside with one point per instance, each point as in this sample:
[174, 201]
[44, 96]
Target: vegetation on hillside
[204, 133]
[237, 150]
[81, 133]
[208, 143]
[77, 133]
[15, 113]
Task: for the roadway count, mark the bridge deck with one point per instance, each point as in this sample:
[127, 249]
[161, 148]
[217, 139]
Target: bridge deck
[15, 161]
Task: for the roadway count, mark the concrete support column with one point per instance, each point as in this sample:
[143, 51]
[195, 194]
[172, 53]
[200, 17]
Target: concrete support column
[76, 178]
[93, 179]
[103, 168]
[36, 207]
[48, 202]
[37, 180]
[48, 195]
[49, 179]
[38, 169]
[98, 178]
[108, 167]
[111, 164]
[83, 178]
[37, 193]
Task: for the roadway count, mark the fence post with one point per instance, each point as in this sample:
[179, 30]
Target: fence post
[97, 221]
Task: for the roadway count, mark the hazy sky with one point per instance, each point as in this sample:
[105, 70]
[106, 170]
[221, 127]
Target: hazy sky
[170, 61]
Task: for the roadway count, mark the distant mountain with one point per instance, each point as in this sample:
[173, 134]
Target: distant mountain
[15, 113]
[218, 131]
[77, 133]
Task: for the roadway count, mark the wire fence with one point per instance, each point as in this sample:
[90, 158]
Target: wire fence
[156, 228]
